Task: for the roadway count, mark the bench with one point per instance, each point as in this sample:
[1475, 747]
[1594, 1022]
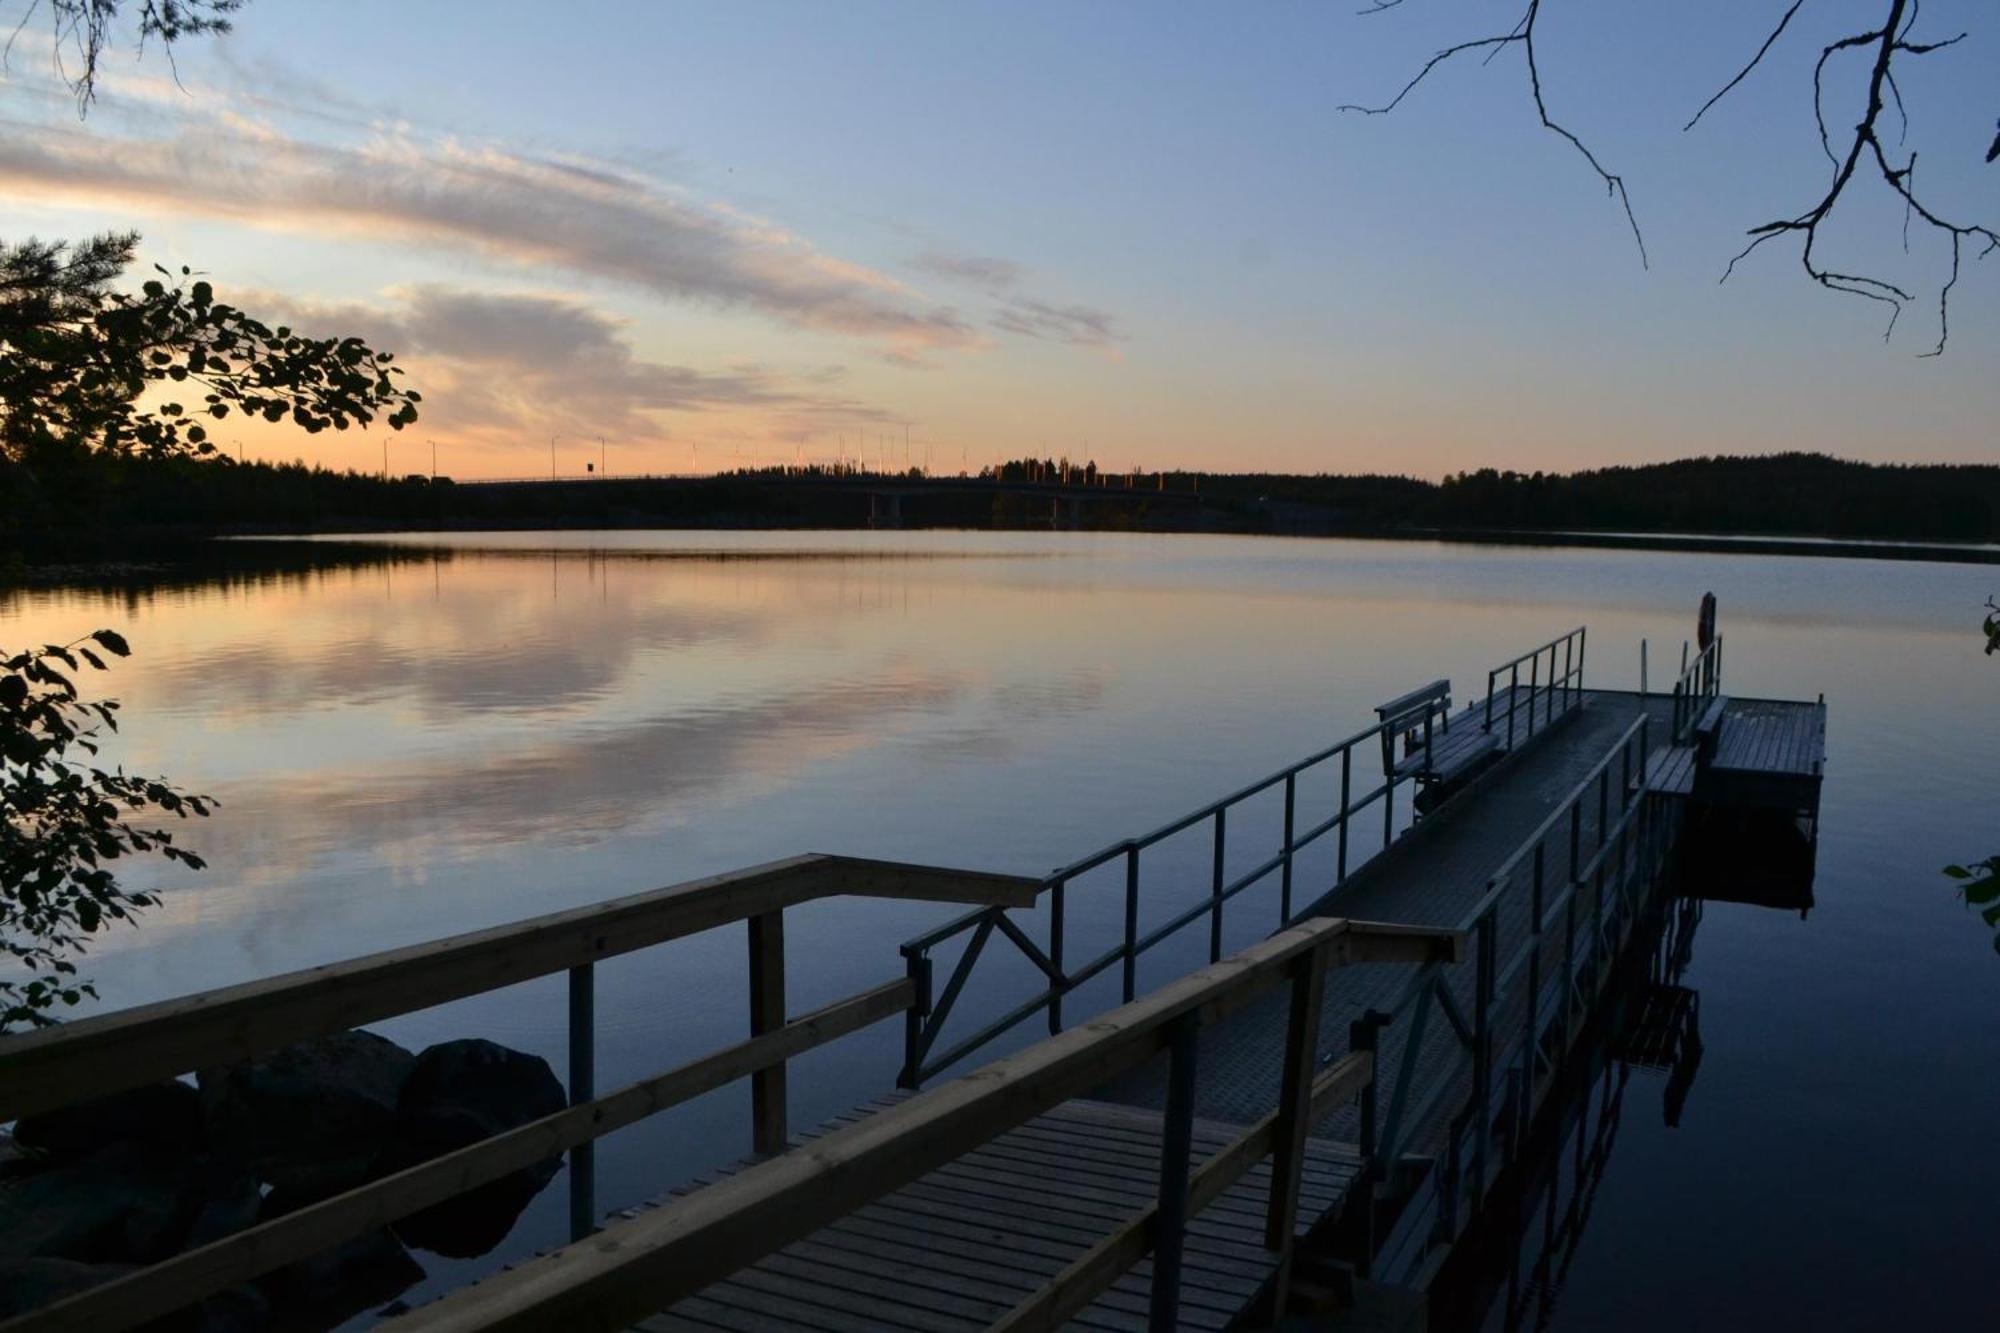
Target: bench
[1708, 729]
[1432, 752]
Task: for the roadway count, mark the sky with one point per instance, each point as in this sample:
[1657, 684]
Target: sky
[680, 237]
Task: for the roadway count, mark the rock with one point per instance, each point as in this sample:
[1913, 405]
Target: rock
[334, 1286]
[166, 1115]
[313, 1118]
[29, 1284]
[127, 1203]
[16, 1160]
[459, 1093]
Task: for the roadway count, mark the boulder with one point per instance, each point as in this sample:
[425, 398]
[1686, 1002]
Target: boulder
[29, 1284]
[165, 1115]
[16, 1160]
[128, 1203]
[332, 1287]
[311, 1119]
[459, 1093]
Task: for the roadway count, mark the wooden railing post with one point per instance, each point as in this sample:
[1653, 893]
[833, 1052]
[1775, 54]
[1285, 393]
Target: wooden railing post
[1308, 992]
[1176, 1146]
[1346, 783]
[768, 1129]
[1131, 960]
[1060, 980]
[1215, 888]
[1285, 882]
[582, 1088]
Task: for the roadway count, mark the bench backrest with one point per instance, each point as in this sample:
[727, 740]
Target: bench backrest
[1406, 711]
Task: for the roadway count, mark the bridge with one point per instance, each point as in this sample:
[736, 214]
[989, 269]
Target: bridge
[1307, 1125]
[878, 499]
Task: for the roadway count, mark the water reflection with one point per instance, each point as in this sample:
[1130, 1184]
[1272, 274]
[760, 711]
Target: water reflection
[409, 744]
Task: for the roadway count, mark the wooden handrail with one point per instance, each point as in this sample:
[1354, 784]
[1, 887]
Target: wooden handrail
[94, 1057]
[142, 1296]
[636, 1267]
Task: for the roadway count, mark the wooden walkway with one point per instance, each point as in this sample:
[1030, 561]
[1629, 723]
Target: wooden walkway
[962, 1246]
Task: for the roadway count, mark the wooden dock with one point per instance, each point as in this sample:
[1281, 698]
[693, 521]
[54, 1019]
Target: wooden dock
[1340, 1097]
[961, 1247]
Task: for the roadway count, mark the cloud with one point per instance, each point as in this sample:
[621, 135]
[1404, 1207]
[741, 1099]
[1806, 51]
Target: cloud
[1077, 324]
[506, 364]
[1018, 313]
[538, 211]
[981, 271]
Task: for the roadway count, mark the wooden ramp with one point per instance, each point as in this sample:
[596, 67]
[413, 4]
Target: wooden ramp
[962, 1246]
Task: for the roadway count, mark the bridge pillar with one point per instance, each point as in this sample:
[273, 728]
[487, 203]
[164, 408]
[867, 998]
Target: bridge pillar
[885, 510]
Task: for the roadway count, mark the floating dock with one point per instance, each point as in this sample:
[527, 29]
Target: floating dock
[1318, 1116]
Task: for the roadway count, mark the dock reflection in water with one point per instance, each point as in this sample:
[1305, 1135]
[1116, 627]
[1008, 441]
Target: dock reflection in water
[1509, 1270]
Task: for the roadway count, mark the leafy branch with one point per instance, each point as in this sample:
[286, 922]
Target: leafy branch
[62, 822]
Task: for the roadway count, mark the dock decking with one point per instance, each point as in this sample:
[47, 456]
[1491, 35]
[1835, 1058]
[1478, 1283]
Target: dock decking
[961, 1247]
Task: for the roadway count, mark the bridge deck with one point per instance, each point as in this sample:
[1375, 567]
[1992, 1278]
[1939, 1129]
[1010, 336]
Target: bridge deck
[962, 1246]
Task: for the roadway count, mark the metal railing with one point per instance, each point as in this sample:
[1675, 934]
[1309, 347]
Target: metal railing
[1700, 682]
[1560, 906]
[1563, 678]
[926, 1019]
[1548, 697]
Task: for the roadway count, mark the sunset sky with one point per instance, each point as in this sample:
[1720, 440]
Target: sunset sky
[1140, 233]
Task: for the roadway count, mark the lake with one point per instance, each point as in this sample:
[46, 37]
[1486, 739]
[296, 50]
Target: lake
[494, 726]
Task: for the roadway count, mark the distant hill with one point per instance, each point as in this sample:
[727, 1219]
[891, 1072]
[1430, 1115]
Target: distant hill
[1796, 494]
[110, 502]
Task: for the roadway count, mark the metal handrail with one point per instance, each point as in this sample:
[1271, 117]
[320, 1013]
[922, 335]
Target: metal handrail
[1557, 694]
[925, 1021]
[1623, 849]
[1700, 682]
[1569, 682]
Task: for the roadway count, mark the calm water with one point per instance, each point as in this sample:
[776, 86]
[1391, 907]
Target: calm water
[522, 723]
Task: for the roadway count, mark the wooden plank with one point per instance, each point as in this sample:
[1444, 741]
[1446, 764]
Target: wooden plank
[188, 1277]
[97, 1056]
[1077, 1285]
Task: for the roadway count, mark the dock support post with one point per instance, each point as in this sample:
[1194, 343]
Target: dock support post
[768, 1131]
[582, 1088]
[1308, 992]
[1176, 1145]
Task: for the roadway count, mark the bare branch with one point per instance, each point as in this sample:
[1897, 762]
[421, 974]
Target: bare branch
[1613, 185]
[1430, 65]
[1744, 73]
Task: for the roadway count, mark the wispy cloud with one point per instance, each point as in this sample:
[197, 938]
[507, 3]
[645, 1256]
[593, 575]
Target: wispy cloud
[1018, 312]
[501, 365]
[532, 210]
